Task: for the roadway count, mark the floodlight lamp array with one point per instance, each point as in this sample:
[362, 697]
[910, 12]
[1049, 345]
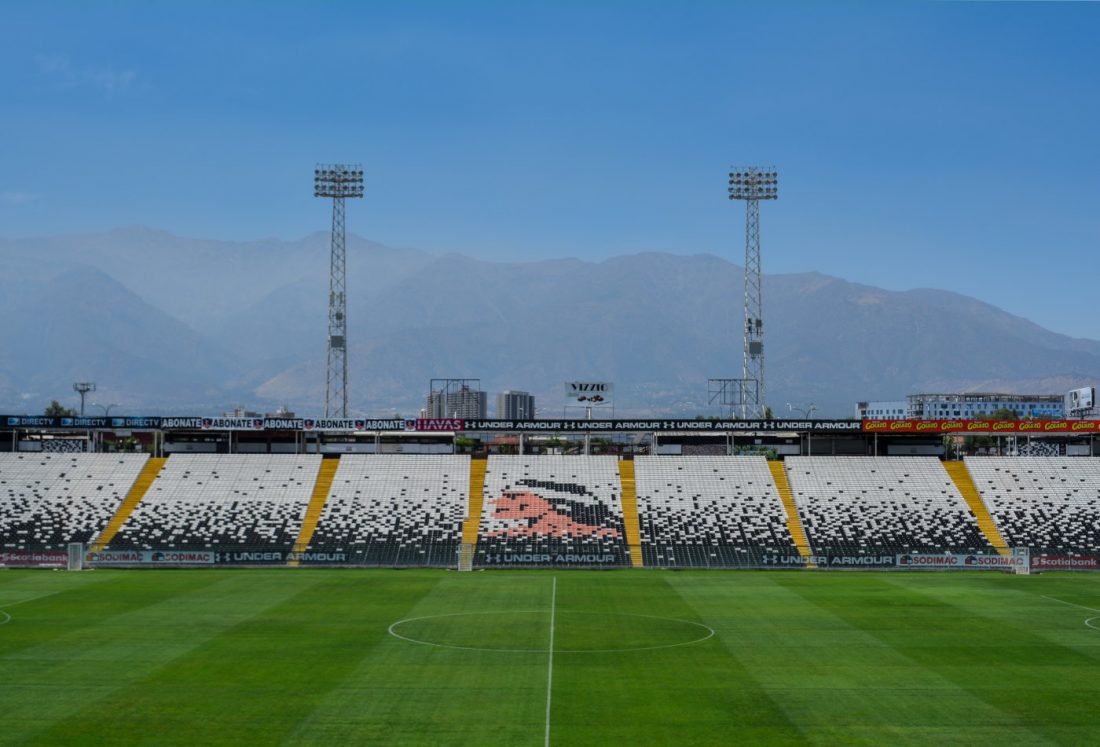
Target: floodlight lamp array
[338, 180]
[753, 183]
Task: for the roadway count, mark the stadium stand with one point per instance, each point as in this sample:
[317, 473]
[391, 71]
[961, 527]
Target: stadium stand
[567, 507]
[49, 500]
[1045, 503]
[395, 509]
[1041, 449]
[881, 505]
[709, 511]
[208, 501]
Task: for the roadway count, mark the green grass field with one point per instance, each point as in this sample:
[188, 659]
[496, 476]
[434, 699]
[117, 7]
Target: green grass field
[335, 657]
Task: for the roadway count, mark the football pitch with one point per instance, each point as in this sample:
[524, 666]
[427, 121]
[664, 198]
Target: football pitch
[427, 657]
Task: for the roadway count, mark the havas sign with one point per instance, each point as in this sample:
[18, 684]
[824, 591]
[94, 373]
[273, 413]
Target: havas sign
[590, 393]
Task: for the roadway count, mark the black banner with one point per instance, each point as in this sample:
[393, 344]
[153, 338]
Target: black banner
[701, 426]
[829, 561]
[425, 425]
[278, 557]
[550, 558]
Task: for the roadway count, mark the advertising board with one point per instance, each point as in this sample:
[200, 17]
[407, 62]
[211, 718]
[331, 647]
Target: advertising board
[590, 393]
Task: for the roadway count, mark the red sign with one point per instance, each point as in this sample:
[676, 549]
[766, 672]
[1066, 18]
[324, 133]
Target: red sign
[981, 426]
[440, 424]
[1065, 562]
[28, 557]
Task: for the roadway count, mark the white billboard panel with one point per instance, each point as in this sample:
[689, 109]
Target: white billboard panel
[1080, 399]
[590, 393]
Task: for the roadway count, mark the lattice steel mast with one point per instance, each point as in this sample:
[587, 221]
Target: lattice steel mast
[752, 184]
[337, 181]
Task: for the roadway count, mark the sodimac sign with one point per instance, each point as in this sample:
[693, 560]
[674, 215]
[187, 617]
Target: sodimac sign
[1033, 427]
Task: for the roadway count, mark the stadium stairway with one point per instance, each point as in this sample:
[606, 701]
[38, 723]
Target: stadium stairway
[961, 477]
[141, 485]
[477, 500]
[321, 488]
[794, 523]
[630, 511]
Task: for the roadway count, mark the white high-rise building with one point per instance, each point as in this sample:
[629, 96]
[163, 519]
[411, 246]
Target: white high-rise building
[515, 405]
[464, 403]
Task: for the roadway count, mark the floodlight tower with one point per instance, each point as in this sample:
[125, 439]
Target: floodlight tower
[82, 388]
[338, 181]
[753, 184]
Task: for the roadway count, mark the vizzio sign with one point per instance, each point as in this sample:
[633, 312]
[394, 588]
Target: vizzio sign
[590, 393]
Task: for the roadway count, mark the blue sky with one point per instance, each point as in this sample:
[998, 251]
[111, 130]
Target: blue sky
[947, 145]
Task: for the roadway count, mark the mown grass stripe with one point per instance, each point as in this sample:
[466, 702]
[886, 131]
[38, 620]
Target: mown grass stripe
[102, 655]
[257, 680]
[405, 693]
[940, 643]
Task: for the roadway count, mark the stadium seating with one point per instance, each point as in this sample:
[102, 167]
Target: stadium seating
[881, 505]
[396, 509]
[1046, 503]
[709, 511]
[49, 500]
[208, 501]
[564, 507]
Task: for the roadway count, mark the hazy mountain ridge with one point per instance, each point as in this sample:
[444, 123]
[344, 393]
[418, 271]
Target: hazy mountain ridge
[168, 323]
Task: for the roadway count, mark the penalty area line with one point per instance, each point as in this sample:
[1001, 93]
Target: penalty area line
[1072, 604]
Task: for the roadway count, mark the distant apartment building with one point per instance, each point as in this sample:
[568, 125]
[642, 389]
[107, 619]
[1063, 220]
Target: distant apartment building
[515, 405]
[887, 410]
[462, 403]
[970, 406]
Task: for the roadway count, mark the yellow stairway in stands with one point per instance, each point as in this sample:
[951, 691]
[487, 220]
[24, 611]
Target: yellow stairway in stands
[794, 523]
[961, 477]
[630, 511]
[317, 500]
[144, 479]
[477, 500]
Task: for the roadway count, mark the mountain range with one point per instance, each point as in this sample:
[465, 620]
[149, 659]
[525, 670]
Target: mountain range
[168, 324]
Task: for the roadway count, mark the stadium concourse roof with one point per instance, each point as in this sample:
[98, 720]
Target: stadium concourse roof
[444, 426]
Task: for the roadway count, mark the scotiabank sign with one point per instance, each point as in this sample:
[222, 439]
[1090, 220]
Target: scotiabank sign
[1034, 427]
[1065, 562]
[30, 557]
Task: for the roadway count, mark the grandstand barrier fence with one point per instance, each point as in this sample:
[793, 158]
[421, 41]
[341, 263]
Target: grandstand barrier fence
[76, 556]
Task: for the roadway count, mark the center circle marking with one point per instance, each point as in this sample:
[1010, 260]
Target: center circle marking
[705, 632]
[1088, 623]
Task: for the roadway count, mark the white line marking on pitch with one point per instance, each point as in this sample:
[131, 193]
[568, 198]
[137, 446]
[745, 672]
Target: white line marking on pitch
[392, 629]
[550, 666]
[7, 617]
[1072, 604]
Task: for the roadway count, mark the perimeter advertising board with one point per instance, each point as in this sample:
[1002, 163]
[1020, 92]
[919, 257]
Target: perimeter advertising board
[1065, 563]
[963, 561]
[828, 561]
[278, 557]
[34, 558]
[152, 557]
[551, 558]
